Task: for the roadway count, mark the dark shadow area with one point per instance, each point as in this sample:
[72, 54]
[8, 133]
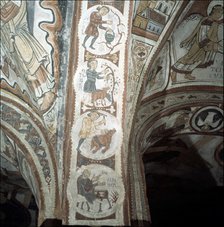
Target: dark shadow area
[181, 189]
[189, 208]
[17, 204]
[14, 214]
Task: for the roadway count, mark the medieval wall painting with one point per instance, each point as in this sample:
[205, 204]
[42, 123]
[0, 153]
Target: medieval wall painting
[99, 192]
[27, 174]
[193, 55]
[149, 41]
[177, 122]
[99, 135]
[208, 119]
[99, 83]
[139, 52]
[200, 128]
[157, 79]
[96, 174]
[102, 34]
[38, 31]
[26, 128]
[151, 17]
[197, 48]
[27, 55]
[12, 159]
[7, 150]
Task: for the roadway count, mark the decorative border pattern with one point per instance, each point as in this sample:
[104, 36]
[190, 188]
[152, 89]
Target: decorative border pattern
[95, 188]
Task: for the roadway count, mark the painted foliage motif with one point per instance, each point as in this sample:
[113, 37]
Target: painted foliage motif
[97, 135]
[27, 130]
[99, 84]
[139, 54]
[26, 56]
[198, 57]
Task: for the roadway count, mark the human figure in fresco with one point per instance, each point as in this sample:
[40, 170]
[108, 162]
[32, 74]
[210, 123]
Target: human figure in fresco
[92, 76]
[203, 44]
[86, 187]
[95, 23]
[26, 53]
[89, 128]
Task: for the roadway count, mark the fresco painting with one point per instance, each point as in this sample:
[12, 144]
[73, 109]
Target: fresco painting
[99, 83]
[151, 17]
[34, 66]
[89, 87]
[100, 191]
[157, 79]
[197, 55]
[103, 30]
[97, 131]
[193, 56]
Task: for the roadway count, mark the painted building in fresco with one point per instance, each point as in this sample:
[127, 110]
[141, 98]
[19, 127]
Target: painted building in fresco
[101, 100]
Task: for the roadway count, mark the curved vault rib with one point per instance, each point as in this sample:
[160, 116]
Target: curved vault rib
[19, 122]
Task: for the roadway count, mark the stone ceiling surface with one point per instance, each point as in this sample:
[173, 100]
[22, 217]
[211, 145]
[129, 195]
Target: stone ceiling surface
[181, 98]
[178, 127]
[97, 94]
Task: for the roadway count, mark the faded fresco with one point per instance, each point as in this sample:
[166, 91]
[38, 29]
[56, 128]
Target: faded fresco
[26, 54]
[208, 119]
[151, 20]
[183, 95]
[29, 83]
[197, 54]
[30, 150]
[157, 79]
[98, 132]
[88, 87]
[100, 191]
[151, 17]
[97, 135]
[99, 83]
[194, 53]
[102, 30]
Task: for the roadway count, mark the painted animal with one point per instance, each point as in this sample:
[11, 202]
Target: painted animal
[101, 195]
[101, 95]
[103, 140]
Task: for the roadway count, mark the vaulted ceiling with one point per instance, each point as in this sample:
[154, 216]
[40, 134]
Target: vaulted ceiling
[151, 79]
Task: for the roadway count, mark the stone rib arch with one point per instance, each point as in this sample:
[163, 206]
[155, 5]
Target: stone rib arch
[40, 202]
[162, 105]
[26, 128]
